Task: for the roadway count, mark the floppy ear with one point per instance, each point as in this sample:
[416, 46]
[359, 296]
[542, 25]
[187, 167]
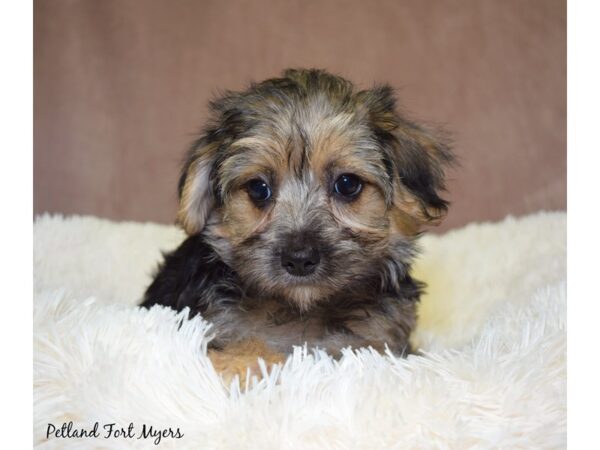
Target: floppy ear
[421, 159]
[196, 196]
[198, 192]
[417, 160]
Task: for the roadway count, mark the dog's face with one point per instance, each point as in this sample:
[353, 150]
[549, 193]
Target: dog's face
[306, 186]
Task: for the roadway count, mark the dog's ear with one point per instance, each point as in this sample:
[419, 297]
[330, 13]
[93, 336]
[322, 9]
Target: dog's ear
[198, 184]
[421, 158]
[416, 160]
[196, 196]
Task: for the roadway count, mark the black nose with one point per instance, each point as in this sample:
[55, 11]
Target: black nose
[300, 262]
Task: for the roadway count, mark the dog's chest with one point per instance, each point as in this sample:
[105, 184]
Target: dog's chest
[331, 329]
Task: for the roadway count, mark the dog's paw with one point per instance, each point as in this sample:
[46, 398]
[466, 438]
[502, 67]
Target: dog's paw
[241, 359]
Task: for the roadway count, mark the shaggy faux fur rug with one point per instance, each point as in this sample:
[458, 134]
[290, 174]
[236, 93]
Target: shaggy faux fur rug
[492, 326]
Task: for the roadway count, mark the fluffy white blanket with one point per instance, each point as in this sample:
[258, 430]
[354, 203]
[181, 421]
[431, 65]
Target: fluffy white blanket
[492, 326]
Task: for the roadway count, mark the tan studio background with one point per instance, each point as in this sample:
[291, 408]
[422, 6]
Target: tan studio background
[121, 86]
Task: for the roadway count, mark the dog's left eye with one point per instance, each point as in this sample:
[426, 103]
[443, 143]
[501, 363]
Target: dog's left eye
[347, 185]
[259, 191]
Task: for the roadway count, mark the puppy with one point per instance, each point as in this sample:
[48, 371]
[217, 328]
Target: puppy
[302, 200]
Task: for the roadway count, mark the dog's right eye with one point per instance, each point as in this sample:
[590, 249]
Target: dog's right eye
[347, 186]
[259, 191]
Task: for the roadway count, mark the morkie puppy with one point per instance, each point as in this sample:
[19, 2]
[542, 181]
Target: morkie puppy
[302, 200]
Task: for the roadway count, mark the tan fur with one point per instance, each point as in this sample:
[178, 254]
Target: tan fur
[403, 224]
[195, 202]
[407, 204]
[332, 152]
[241, 357]
[241, 219]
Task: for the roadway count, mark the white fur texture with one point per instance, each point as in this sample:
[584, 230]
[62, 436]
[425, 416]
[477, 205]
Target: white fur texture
[492, 326]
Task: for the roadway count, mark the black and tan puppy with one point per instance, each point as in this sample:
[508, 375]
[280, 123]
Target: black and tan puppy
[302, 200]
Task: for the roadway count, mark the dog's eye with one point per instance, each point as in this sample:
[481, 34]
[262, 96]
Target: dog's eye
[347, 185]
[259, 191]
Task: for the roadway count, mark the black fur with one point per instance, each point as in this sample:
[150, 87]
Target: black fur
[193, 276]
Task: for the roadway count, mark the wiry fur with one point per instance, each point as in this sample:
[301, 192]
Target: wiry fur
[299, 133]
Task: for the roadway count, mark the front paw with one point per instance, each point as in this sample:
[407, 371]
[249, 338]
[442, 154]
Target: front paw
[241, 359]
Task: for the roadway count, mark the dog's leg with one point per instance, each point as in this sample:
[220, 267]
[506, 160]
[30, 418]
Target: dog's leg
[237, 357]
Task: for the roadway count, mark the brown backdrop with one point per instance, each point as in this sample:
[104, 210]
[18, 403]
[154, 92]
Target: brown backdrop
[121, 87]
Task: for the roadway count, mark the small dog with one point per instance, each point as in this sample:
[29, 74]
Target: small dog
[302, 201]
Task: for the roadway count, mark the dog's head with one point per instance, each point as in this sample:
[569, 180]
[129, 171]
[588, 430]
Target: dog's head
[306, 185]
